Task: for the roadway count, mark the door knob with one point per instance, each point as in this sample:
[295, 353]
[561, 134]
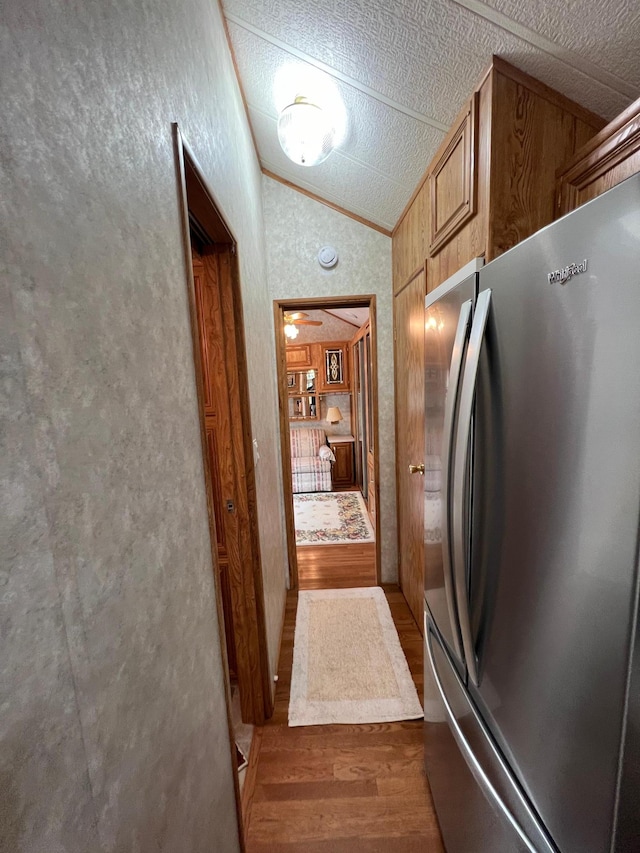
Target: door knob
[416, 469]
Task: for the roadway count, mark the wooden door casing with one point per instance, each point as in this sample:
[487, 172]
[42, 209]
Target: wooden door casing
[371, 487]
[358, 476]
[363, 413]
[409, 369]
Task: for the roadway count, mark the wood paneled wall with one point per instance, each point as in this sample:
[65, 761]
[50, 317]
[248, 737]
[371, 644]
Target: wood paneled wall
[531, 137]
[410, 242]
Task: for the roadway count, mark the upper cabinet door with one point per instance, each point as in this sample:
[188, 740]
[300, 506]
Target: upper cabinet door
[298, 355]
[452, 181]
[334, 367]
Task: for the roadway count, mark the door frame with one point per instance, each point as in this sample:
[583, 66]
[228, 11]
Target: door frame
[280, 306]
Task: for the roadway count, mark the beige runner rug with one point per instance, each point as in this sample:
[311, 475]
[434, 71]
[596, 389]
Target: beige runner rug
[348, 664]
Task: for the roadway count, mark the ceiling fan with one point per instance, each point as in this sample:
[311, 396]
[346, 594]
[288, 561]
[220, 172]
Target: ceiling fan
[297, 318]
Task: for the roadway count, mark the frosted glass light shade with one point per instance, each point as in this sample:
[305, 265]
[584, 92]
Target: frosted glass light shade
[306, 132]
[290, 330]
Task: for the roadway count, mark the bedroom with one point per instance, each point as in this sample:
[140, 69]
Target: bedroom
[328, 404]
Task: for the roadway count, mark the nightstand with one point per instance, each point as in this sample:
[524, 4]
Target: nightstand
[342, 471]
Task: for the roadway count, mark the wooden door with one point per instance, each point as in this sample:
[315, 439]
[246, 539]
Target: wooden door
[224, 417]
[217, 427]
[409, 370]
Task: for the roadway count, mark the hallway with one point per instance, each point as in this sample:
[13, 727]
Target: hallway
[336, 566]
[340, 788]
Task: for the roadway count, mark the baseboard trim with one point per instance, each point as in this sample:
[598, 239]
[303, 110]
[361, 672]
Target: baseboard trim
[275, 683]
[249, 786]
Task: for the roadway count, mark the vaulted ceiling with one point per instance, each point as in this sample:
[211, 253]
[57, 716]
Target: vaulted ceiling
[403, 68]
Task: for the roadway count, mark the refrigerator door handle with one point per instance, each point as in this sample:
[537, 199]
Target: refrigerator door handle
[460, 458]
[462, 331]
[542, 844]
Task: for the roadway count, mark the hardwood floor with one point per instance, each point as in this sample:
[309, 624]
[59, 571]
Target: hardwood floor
[336, 566]
[342, 788]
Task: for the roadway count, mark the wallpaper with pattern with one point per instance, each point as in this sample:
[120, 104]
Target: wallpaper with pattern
[296, 228]
[113, 730]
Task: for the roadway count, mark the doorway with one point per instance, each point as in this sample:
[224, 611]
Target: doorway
[213, 287]
[327, 387]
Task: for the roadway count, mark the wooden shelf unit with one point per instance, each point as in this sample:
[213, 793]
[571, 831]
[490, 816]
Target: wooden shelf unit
[330, 360]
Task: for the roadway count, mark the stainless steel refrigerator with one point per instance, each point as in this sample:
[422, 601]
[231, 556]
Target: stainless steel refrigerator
[532, 511]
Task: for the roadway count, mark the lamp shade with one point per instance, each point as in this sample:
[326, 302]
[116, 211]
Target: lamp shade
[333, 415]
[306, 132]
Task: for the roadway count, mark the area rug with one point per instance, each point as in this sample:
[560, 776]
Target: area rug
[331, 518]
[348, 664]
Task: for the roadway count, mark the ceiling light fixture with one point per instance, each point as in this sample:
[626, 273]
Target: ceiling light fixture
[291, 331]
[306, 132]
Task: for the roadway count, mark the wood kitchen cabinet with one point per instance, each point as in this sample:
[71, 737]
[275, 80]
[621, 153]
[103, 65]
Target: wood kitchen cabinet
[333, 366]
[452, 180]
[605, 160]
[298, 355]
[330, 360]
[492, 183]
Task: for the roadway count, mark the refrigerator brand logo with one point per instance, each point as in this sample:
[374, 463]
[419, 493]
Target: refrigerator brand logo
[567, 273]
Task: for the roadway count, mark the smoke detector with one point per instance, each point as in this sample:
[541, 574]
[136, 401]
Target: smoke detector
[327, 257]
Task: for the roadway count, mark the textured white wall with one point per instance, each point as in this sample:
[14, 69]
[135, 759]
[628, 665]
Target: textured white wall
[296, 228]
[113, 734]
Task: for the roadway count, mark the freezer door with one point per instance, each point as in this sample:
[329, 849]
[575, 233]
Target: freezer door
[480, 807]
[556, 496]
[448, 315]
